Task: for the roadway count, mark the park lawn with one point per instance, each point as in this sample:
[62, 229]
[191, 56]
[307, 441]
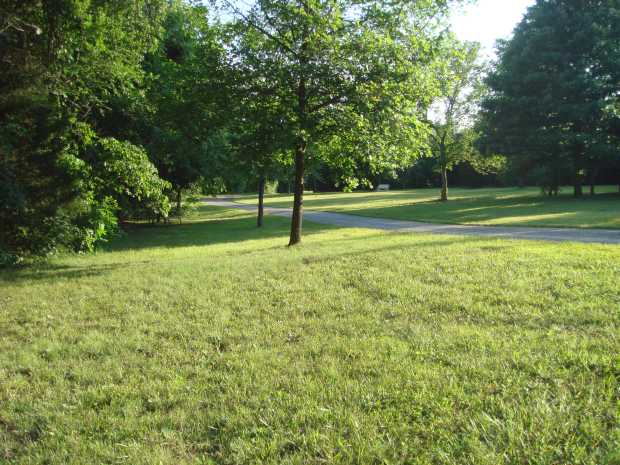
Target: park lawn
[212, 343]
[492, 206]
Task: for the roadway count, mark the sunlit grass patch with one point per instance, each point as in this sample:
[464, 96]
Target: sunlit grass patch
[212, 342]
[489, 206]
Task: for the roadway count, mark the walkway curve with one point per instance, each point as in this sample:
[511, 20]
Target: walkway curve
[602, 236]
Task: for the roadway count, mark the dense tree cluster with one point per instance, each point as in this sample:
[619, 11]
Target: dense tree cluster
[105, 113]
[554, 95]
[71, 80]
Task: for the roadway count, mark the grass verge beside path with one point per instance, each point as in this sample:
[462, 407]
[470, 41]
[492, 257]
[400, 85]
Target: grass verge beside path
[212, 343]
[497, 206]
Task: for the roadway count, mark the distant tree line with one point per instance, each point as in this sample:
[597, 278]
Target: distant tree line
[553, 105]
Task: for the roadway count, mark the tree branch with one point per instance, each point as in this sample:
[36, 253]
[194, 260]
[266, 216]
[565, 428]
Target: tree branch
[326, 103]
[261, 29]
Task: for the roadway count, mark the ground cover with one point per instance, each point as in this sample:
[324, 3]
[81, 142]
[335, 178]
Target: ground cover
[211, 342]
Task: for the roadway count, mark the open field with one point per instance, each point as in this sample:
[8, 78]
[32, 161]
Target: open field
[212, 343]
[497, 206]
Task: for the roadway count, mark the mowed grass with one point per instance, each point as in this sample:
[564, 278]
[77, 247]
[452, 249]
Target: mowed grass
[212, 343]
[497, 206]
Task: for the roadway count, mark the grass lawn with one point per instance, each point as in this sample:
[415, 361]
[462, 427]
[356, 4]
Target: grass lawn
[212, 343]
[498, 206]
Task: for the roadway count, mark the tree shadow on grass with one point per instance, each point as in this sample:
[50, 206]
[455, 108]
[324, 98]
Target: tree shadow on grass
[208, 232]
[195, 233]
[49, 271]
[477, 244]
[514, 206]
[223, 229]
[327, 200]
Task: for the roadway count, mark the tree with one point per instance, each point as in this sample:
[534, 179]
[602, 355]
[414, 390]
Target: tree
[459, 79]
[261, 136]
[65, 64]
[260, 152]
[338, 68]
[187, 97]
[553, 86]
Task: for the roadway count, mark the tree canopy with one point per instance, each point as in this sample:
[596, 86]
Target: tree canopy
[458, 72]
[340, 72]
[554, 92]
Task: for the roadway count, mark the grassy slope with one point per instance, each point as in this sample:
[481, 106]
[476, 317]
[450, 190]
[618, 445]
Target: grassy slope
[212, 343]
[508, 206]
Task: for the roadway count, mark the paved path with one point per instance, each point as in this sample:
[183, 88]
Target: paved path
[603, 236]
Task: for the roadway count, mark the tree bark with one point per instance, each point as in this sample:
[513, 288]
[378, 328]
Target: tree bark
[300, 154]
[578, 183]
[444, 184]
[261, 197]
[555, 188]
[577, 165]
[298, 199]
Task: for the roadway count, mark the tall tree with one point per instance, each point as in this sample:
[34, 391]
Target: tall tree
[338, 67]
[553, 87]
[459, 75]
[188, 97]
[64, 67]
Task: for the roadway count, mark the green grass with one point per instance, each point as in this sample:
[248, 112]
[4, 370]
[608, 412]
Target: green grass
[212, 343]
[498, 206]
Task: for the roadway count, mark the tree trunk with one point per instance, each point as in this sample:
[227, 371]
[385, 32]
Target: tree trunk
[261, 196]
[444, 184]
[179, 203]
[577, 165]
[555, 188]
[300, 154]
[578, 188]
[592, 174]
[578, 183]
[298, 199]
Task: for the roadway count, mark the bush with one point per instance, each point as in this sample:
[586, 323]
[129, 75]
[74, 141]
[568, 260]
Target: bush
[8, 259]
[69, 189]
[271, 187]
[95, 223]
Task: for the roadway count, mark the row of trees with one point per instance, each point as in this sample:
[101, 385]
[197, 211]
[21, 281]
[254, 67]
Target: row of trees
[112, 110]
[554, 96]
